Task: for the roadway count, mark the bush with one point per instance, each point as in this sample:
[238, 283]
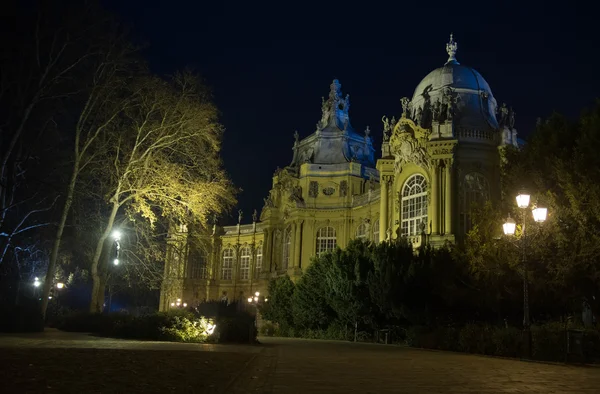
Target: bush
[268, 329]
[25, 317]
[178, 325]
[236, 330]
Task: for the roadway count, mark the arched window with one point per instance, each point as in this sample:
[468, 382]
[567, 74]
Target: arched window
[198, 265]
[414, 205]
[376, 231]
[227, 264]
[245, 256]
[362, 231]
[326, 241]
[259, 259]
[475, 193]
[287, 243]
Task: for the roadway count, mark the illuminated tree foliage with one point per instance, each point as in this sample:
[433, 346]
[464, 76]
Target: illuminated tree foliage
[163, 160]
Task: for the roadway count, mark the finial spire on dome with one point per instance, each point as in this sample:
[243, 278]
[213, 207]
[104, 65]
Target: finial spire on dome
[451, 48]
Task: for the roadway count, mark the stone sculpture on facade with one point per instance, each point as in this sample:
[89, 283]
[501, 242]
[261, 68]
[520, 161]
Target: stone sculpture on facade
[254, 216]
[343, 188]
[503, 115]
[511, 118]
[436, 110]
[405, 101]
[240, 214]
[419, 117]
[296, 194]
[313, 189]
[296, 137]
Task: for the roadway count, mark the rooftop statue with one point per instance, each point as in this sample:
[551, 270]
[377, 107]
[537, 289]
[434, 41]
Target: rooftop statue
[451, 48]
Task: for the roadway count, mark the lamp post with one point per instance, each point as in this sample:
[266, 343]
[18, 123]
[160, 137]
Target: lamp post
[116, 234]
[509, 227]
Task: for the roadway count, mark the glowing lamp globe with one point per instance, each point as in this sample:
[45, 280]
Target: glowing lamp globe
[509, 226]
[539, 214]
[116, 262]
[257, 294]
[60, 285]
[116, 235]
[523, 200]
[249, 299]
[36, 282]
[255, 298]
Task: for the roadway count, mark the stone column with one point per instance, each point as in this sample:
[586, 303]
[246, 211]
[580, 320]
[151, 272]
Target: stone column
[448, 198]
[383, 208]
[267, 249]
[297, 244]
[435, 199]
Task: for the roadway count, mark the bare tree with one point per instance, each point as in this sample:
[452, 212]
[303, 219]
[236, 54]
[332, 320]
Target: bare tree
[103, 100]
[164, 161]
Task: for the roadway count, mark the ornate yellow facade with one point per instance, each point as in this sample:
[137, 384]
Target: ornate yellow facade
[440, 156]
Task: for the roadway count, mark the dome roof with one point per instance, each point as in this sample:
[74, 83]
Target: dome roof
[474, 101]
[453, 75]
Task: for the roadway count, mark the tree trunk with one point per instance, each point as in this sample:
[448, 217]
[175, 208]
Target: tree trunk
[99, 276]
[58, 237]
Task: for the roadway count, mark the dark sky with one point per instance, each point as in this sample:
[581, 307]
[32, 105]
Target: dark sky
[269, 64]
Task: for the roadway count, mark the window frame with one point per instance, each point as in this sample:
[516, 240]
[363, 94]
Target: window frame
[245, 260]
[414, 202]
[326, 242]
[227, 268]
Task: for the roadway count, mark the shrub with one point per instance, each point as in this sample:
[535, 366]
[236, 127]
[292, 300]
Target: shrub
[548, 341]
[268, 329]
[507, 341]
[241, 329]
[182, 329]
[25, 317]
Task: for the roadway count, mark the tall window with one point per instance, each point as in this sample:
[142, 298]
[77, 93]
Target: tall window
[376, 231]
[414, 205]
[287, 243]
[259, 258]
[475, 193]
[199, 265]
[245, 256]
[361, 231]
[325, 240]
[227, 265]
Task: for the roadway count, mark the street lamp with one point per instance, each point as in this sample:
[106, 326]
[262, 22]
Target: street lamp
[539, 216]
[116, 234]
[60, 285]
[116, 261]
[510, 226]
[36, 282]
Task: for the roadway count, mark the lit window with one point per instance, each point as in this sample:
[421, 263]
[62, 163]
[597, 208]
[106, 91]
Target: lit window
[245, 256]
[475, 193]
[376, 231]
[227, 267]
[259, 258]
[361, 231]
[414, 205]
[199, 266]
[287, 243]
[326, 241]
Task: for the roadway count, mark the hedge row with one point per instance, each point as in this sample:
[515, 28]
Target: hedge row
[548, 340]
[178, 326]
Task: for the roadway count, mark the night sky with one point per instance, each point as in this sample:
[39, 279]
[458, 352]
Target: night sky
[269, 65]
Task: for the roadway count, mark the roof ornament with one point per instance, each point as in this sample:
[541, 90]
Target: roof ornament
[451, 48]
[405, 101]
[296, 137]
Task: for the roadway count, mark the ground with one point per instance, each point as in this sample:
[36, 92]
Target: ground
[56, 362]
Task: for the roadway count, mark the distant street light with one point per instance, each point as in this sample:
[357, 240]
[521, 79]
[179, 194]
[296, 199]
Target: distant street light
[36, 282]
[116, 262]
[60, 285]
